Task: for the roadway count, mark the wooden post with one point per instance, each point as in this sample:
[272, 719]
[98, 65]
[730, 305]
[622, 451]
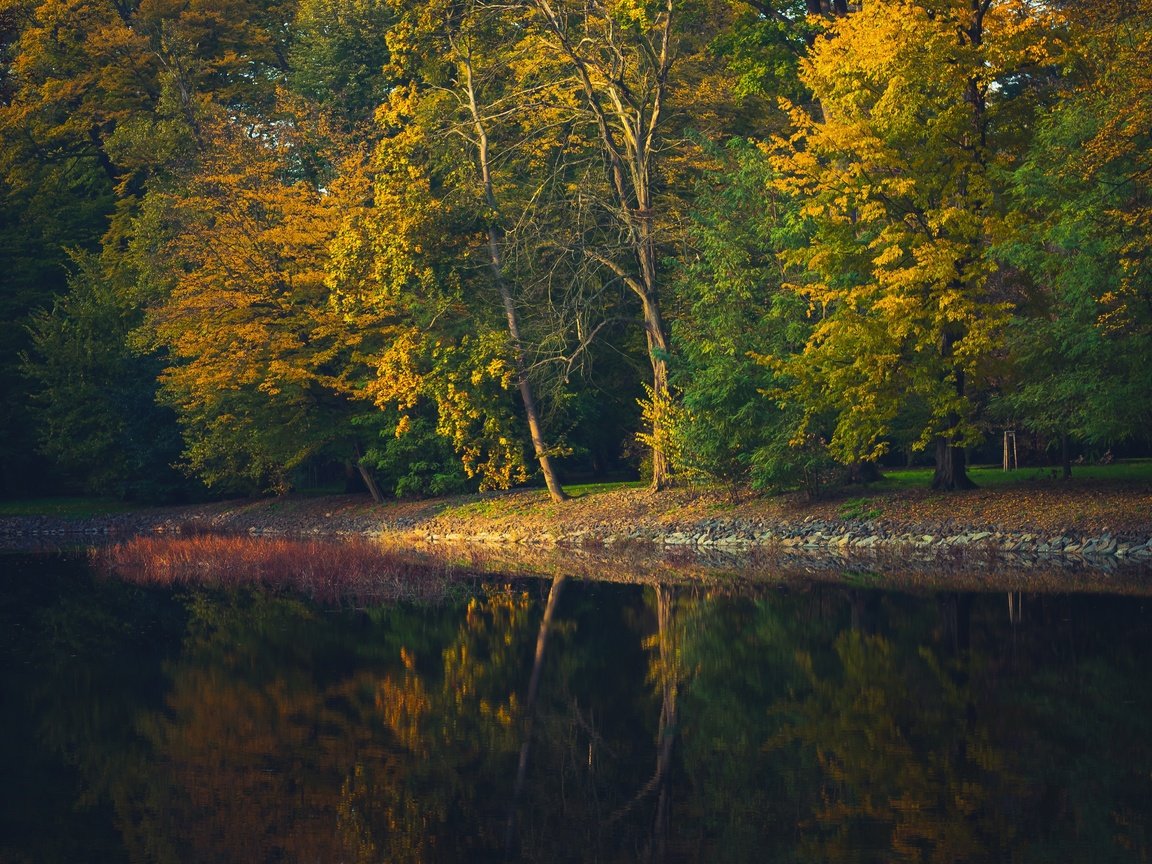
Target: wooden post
[1011, 461]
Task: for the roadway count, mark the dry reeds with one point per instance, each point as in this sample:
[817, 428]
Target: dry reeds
[328, 571]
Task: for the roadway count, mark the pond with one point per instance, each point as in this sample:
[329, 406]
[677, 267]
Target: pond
[557, 719]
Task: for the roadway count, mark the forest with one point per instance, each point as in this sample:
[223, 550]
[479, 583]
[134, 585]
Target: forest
[425, 246]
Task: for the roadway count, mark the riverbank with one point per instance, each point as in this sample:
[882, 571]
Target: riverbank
[1066, 519]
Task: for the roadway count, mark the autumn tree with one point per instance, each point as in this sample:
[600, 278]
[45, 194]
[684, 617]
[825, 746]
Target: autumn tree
[921, 108]
[467, 63]
[258, 356]
[97, 97]
[622, 57]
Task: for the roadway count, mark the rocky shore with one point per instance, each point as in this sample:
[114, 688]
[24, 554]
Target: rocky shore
[1094, 525]
[819, 535]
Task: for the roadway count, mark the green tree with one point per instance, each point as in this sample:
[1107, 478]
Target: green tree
[413, 252]
[94, 398]
[339, 54]
[481, 118]
[629, 62]
[1082, 351]
[737, 310]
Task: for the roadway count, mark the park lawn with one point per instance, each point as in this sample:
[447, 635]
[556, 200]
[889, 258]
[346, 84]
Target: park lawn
[990, 476]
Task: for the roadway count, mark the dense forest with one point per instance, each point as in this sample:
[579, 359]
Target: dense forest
[431, 245]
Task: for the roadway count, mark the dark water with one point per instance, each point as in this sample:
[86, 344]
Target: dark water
[833, 724]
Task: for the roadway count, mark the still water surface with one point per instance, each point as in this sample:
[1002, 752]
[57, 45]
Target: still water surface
[557, 720]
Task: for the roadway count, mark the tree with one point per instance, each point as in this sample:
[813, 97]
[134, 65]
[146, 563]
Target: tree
[921, 107]
[736, 311]
[412, 251]
[94, 398]
[1083, 349]
[473, 112]
[339, 55]
[622, 57]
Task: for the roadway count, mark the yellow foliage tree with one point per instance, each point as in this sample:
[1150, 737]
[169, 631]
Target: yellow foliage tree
[263, 360]
[411, 249]
[921, 106]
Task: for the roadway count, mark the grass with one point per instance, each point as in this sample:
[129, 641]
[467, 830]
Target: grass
[77, 508]
[491, 507]
[498, 506]
[991, 476]
[581, 489]
[859, 508]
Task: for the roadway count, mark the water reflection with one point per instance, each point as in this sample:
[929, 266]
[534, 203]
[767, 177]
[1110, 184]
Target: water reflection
[560, 720]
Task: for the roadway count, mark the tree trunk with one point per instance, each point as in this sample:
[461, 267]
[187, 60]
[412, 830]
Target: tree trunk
[370, 482]
[865, 471]
[628, 119]
[1065, 456]
[657, 355]
[530, 708]
[496, 263]
[366, 476]
[535, 427]
[951, 470]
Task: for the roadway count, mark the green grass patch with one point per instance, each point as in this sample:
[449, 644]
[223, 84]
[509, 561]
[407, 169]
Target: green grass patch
[859, 508]
[486, 508]
[581, 489]
[498, 506]
[538, 504]
[991, 476]
[78, 508]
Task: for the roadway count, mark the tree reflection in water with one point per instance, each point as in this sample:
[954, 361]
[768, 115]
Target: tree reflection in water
[572, 721]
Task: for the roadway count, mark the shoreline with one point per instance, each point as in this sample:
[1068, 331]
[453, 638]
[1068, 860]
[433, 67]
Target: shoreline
[1114, 525]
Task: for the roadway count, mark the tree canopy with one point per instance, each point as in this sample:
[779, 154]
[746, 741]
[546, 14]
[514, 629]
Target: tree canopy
[452, 243]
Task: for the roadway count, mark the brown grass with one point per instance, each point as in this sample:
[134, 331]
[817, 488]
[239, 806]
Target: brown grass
[328, 571]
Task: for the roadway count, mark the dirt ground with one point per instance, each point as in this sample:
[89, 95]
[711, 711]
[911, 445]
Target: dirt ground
[1074, 507]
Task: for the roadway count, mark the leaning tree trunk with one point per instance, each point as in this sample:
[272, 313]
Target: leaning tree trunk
[628, 115]
[496, 263]
[367, 476]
